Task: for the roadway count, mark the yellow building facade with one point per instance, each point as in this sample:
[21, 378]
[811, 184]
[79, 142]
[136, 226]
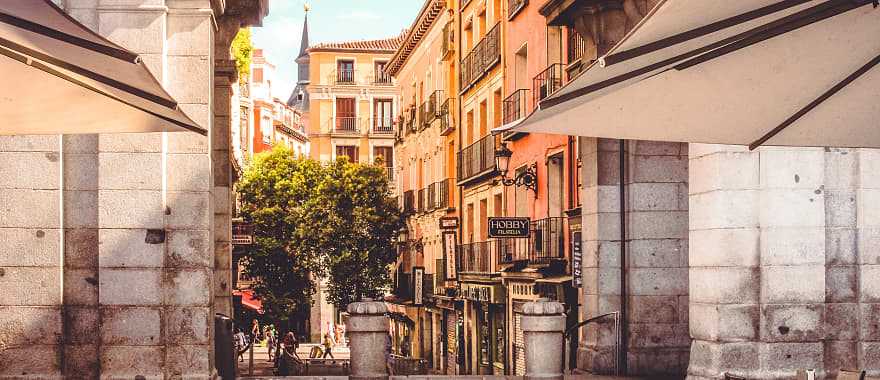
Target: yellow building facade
[425, 70]
[353, 102]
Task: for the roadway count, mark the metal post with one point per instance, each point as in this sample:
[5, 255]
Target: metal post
[251, 357]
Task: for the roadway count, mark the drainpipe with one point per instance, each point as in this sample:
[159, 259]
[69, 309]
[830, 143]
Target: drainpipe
[622, 326]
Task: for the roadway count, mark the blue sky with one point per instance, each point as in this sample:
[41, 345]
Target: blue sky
[329, 20]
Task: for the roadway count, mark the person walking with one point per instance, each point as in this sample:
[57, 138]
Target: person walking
[255, 331]
[270, 342]
[328, 346]
[240, 342]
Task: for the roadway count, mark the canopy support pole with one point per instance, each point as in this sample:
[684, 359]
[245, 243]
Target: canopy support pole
[815, 103]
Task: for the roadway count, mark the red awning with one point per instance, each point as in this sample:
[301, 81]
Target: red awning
[249, 300]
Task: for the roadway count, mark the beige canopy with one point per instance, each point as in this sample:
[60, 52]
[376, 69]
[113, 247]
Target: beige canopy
[745, 72]
[59, 77]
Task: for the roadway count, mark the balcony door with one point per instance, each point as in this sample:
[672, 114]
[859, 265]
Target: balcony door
[383, 115]
[387, 156]
[345, 71]
[350, 151]
[345, 114]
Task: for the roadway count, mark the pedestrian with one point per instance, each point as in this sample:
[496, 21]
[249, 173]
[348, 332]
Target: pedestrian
[240, 342]
[288, 354]
[328, 346]
[255, 332]
[405, 348]
[271, 341]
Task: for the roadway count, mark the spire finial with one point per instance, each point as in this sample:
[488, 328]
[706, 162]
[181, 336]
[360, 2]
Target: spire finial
[307, 7]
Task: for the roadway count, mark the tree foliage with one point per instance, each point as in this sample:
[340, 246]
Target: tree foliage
[335, 220]
[243, 51]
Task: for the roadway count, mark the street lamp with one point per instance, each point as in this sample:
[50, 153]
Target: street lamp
[402, 235]
[528, 178]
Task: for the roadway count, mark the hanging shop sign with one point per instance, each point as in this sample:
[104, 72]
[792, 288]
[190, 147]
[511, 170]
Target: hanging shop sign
[576, 260]
[418, 285]
[450, 248]
[448, 222]
[506, 227]
[482, 293]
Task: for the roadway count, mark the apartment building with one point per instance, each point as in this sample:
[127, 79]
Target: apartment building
[424, 69]
[352, 101]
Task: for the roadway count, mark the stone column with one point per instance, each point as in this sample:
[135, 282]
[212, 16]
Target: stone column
[543, 324]
[367, 329]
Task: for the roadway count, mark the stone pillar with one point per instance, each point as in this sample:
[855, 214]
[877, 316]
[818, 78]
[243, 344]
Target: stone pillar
[783, 261]
[367, 328]
[656, 220]
[543, 324]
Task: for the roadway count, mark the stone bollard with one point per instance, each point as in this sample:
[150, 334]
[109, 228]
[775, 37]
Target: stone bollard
[543, 324]
[367, 328]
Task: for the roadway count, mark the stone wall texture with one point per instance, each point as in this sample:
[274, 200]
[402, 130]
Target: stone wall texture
[784, 265]
[656, 221]
[107, 261]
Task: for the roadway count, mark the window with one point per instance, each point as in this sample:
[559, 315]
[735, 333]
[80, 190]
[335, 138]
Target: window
[258, 75]
[345, 71]
[484, 116]
[379, 73]
[383, 115]
[520, 68]
[346, 114]
[555, 184]
[350, 151]
[384, 153]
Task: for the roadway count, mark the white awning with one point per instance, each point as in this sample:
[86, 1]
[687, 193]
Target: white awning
[730, 72]
[59, 77]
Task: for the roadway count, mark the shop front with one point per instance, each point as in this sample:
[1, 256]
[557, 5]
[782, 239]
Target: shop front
[485, 326]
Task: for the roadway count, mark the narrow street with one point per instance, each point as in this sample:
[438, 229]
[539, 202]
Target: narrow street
[263, 368]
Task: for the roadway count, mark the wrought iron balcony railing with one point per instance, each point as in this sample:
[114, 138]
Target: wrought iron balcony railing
[444, 195]
[382, 125]
[482, 58]
[347, 124]
[476, 159]
[547, 82]
[448, 45]
[345, 76]
[421, 201]
[516, 106]
[446, 126]
[408, 202]
[548, 239]
[478, 257]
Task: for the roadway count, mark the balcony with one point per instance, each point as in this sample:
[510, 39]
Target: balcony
[444, 193]
[382, 125]
[421, 201]
[408, 202]
[516, 106]
[381, 79]
[478, 257]
[547, 82]
[575, 51]
[432, 201]
[448, 45]
[484, 56]
[389, 174]
[346, 124]
[244, 89]
[476, 160]
[345, 77]
[242, 233]
[446, 126]
[548, 240]
[513, 249]
[514, 6]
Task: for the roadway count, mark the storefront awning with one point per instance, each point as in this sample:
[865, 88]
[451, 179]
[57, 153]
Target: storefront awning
[746, 72]
[400, 317]
[249, 300]
[59, 77]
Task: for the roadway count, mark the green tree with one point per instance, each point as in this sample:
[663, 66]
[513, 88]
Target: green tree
[359, 219]
[243, 51]
[275, 190]
[335, 220]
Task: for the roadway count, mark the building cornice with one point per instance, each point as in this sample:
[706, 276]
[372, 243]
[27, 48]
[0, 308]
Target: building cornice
[429, 14]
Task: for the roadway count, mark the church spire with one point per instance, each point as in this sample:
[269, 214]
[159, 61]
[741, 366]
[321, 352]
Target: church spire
[304, 44]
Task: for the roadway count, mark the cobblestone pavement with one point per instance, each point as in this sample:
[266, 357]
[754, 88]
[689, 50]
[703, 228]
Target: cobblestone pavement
[263, 367]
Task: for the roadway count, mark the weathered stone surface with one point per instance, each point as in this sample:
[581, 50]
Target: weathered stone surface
[26, 326]
[187, 325]
[653, 309]
[868, 212]
[141, 32]
[81, 248]
[129, 248]
[724, 247]
[841, 320]
[188, 249]
[868, 247]
[655, 253]
[29, 170]
[29, 143]
[840, 354]
[653, 197]
[724, 209]
[724, 322]
[841, 283]
[131, 326]
[80, 286]
[81, 171]
[727, 171]
[792, 208]
[188, 210]
[870, 285]
[792, 323]
[188, 361]
[81, 209]
[36, 361]
[870, 322]
[791, 356]
[800, 168]
[131, 142]
[196, 88]
[187, 287]
[793, 284]
[793, 246]
[29, 247]
[657, 224]
[29, 208]
[187, 142]
[80, 324]
[188, 172]
[30, 286]
[130, 171]
[732, 285]
[658, 169]
[130, 209]
[130, 286]
[841, 245]
[659, 281]
[189, 35]
[81, 362]
[131, 361]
